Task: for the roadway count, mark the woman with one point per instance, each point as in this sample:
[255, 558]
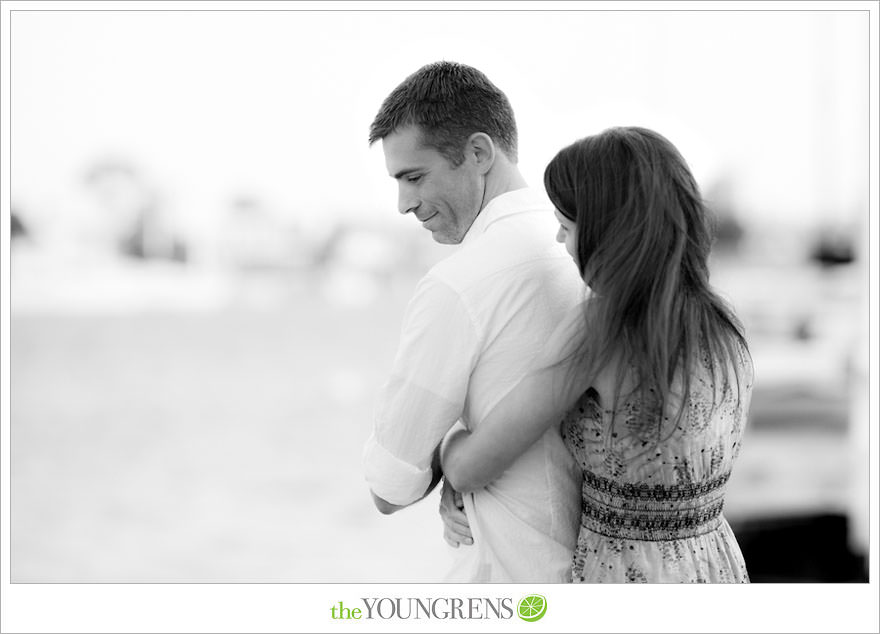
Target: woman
[659, 374]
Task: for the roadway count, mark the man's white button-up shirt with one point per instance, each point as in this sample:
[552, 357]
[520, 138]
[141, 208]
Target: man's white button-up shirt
[472, 330]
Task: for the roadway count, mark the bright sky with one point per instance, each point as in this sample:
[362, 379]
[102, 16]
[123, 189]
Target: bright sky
[211, 104]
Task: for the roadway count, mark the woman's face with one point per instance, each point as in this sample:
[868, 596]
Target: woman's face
[567, 235]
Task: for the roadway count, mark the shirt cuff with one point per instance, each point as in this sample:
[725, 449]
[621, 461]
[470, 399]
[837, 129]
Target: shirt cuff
[391, 478]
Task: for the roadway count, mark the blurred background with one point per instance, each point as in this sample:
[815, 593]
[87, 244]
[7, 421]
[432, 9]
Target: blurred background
[208, 273]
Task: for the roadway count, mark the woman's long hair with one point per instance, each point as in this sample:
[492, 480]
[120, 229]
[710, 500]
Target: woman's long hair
[643, 242]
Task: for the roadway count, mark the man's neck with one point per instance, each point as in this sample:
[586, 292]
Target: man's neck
[501, 181]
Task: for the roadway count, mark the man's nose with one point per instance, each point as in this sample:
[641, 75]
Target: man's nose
[406, 202]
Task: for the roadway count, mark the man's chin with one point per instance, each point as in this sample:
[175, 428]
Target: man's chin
[443, 238]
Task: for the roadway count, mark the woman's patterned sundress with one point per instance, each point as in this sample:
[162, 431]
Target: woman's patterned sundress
[651, 505]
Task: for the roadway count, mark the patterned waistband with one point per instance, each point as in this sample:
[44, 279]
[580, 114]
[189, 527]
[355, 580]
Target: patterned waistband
[658, 526]
[658, 492]
[652, 513]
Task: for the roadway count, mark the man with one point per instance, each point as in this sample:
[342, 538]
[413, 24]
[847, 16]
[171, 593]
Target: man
[474, 324]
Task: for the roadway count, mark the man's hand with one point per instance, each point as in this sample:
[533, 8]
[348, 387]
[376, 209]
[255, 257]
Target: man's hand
[456, 529]
[385, 507]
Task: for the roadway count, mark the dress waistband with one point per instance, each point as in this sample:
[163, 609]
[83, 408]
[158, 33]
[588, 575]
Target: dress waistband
[651, 513]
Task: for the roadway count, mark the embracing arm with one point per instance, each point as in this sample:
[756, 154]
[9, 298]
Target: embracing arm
[471, 460]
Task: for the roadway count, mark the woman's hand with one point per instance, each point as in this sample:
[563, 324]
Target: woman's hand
[456, 529]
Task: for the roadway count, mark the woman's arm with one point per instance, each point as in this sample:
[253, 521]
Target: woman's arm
[471, 460]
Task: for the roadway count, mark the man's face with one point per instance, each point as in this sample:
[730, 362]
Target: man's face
[445, 199]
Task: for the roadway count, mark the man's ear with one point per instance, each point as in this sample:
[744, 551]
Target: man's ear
[481, 150]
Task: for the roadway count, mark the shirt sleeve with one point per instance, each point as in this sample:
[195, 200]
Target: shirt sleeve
[425, 393]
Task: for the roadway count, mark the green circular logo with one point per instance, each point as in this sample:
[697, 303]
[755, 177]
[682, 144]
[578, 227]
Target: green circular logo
[532, 607]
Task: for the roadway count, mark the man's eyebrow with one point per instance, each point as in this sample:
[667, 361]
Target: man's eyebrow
[405, 172]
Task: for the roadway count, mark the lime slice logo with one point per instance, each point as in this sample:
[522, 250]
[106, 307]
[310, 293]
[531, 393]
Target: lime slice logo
[532, 607]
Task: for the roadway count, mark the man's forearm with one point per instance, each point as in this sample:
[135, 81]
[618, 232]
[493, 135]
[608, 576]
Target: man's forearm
[387, 508]
[436, 471]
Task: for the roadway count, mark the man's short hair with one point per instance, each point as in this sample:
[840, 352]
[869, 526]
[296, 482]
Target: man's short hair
[448, 102]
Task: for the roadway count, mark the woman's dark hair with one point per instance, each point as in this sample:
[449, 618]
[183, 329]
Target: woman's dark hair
[448, 102]
[643, 243]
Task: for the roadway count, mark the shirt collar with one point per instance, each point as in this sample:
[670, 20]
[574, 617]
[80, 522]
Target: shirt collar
[507, 204]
